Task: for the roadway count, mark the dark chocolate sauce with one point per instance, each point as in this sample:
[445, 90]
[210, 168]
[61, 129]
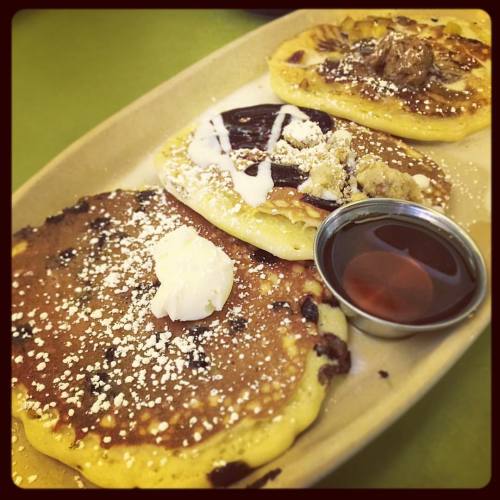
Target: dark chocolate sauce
[399, 270]
[329, 205]
[282, 175]
[251, 127]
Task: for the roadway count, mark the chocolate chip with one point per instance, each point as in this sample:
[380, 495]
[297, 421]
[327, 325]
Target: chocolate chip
[159, 339]
[328, 69]
[100, 223]
[296, 57]
[221, 477]
[144, 198]
[309, 310]
[101, 241]
[269, 476]
[326, 373]
[383, 374]
[238, 324]
[97, 386]
[67, 254]
[265, 257]
[281, 304]
[197, 360]
[198, 331]
[24, 332]
[335, 349]
[142, 288]
[80, 207]
[103, 377]
[55, 219]
[145, 195]
[110, 354]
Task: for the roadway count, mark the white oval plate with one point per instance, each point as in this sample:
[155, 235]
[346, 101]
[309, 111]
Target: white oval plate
[117, 154]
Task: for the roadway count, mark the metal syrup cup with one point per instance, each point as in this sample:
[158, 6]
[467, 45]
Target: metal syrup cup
[374, 325]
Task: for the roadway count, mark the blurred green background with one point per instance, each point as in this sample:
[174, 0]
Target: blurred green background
[73, 68]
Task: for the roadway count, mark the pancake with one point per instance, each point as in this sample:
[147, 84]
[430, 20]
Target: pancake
[423, 78]
[131, 400]
[269, 174]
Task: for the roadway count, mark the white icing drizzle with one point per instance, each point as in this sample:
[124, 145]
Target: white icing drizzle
[254, 189]
[222, 133]
[204, 149]
[211, 146]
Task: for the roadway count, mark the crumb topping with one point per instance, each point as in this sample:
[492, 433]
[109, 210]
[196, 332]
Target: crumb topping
[377, 179]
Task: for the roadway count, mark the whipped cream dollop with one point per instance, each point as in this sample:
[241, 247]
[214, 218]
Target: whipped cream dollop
[196, 276]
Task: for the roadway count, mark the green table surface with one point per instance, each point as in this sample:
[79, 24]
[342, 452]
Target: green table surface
[74, 68]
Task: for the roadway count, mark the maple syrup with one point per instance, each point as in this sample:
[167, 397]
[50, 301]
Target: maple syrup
[402, 271]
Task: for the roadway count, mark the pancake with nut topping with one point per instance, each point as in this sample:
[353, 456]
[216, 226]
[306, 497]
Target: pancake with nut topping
[269, 174]
[132, 400]
[423, 78]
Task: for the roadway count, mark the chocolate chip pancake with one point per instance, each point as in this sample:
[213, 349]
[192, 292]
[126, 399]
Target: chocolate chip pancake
[269, 174]
[421, 78]
[129, 399]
